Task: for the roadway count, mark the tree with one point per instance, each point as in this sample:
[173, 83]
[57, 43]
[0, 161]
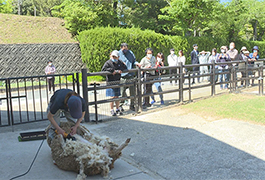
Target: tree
[143, 14]
[6, 6]
[86, 14]
[26, 8]
[188, 17]
[44, 7]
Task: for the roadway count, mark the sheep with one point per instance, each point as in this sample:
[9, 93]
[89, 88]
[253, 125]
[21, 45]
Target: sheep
[87, 155]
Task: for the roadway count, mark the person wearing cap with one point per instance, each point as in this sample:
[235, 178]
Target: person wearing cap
[254, 56]
[128, 57]
[249, 61]
[203, 59]
[115, 67]
[241, 54]
[50, 70]
[223, 57]
[195, 60]
[241, 66]
[71, 104]
[172, 60]
[149, 61]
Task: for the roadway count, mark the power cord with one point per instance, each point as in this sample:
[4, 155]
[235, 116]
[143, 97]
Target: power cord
[31, 163]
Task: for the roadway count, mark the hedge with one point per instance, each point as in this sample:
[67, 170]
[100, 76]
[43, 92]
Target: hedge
[97, 44]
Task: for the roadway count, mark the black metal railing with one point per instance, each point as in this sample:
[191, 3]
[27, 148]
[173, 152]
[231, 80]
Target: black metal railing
[232, 71]
[25, 99]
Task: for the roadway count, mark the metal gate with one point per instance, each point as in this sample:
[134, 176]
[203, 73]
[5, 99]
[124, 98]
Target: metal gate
[25, 99]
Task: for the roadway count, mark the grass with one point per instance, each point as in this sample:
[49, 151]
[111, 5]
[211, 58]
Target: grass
[233, 106]
[15, 29]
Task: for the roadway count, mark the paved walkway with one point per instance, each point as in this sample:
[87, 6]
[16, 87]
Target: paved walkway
[166, 144]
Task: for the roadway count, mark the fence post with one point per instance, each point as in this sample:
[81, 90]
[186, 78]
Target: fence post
[85, 93]
[139, 90]
[213, 78]
[181, 82]
[77, 83]
[247, 77]
[189, 87]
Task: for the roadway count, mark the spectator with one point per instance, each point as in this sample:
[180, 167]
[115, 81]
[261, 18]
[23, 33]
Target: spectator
[172, 60]
[232, 52]
[115, 66]
[73, 107]
[241, 55]
[213, 58]
[222, 58]
[203, 59]
[254, 56]
[195, 60]
[149, 61]
[50, 70]
[159, 63]
[241, 66]
[129, 60]
[182, 59]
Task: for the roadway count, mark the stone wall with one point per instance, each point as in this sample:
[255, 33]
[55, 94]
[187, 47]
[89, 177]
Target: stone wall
[31, 59]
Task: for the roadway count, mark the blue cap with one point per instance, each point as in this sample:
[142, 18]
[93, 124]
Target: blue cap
[74, 104]
[255, 48]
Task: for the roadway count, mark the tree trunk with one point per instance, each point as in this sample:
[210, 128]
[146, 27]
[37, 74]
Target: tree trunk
[255, 32]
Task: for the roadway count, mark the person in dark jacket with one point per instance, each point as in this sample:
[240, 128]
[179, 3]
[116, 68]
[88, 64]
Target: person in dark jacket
[195, 60]
[114, 66]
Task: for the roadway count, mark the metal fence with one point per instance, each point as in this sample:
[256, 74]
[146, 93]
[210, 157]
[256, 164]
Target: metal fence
[182, 90]
[25, 99]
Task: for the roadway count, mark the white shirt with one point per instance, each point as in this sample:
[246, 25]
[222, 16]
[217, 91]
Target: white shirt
[182, 60]
[172, 60]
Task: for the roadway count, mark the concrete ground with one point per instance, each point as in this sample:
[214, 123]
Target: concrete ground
[165, 144]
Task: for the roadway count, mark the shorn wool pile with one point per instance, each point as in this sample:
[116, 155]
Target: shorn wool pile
[87, 155]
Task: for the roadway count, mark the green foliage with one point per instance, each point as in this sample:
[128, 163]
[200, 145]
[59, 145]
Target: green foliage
[6, 6]
[82, 14]
[142, 14]
[188, 17]
[44, 7]
[97, 44]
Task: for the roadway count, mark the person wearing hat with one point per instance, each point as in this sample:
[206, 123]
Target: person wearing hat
[115, 67]
[50, 70]
[241, 54]
[73, 107]
[223, 57]
[129, 59]
[241, 66]
[172, 60]
[149, 61]
[254, 56]
[195, 60]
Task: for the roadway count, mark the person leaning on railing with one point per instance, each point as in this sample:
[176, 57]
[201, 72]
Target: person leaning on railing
[241, 66]
[254, 56]
[114, 66]
[129, 60]
[213, 58]
[159, 63]
[222, 58]
[149, 61]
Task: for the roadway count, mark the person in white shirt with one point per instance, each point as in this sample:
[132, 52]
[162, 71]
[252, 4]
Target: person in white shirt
[203, 59]
[172, 60]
